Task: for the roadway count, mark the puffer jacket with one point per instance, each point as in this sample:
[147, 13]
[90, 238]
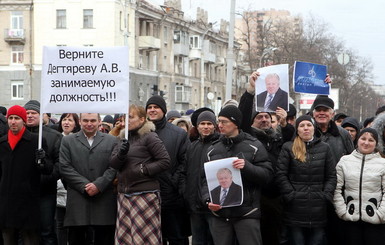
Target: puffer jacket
[360, 188]
[306, 187]
[256, 173]
[146, 158]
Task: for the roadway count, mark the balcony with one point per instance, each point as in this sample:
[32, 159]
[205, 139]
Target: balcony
[14, 35]
[195, 53]
[181, 49]
[148, 43]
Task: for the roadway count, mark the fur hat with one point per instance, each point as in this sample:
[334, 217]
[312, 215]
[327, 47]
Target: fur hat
[159, 101]
[233, 113]
[196, 113]
[18, 111]
[207, 116]
[32, 105]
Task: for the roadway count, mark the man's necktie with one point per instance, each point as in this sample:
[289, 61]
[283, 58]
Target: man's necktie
[223, 197]
[268, 102]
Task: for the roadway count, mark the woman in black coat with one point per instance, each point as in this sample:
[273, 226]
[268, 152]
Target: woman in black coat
[307, 179]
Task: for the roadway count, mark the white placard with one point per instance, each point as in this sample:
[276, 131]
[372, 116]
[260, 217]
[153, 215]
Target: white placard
[85, 79]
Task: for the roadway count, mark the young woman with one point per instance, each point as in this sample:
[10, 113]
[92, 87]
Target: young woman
[69, 123]
[359, 196]
[306, 175]
[138, 220]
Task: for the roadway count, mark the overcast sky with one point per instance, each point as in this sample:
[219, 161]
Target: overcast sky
[361, 24]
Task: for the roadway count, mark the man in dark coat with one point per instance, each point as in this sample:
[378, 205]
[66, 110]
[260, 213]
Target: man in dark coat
[274, 96]
[175, 220]
[240, 222]
[20, 167]
[85, 167]
[47, 182]
[227, 193]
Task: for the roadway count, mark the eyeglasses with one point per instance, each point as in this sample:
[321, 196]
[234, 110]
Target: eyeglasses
[224, 122]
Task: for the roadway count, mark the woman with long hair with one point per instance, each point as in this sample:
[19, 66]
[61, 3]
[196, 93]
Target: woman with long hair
[307, 179]
[138, 162]
[359, 196]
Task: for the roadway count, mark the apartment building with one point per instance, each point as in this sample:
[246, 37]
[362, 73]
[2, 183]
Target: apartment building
[180, 59]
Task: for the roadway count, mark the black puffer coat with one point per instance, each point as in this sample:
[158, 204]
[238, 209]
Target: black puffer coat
[256, 173]
[306, 187]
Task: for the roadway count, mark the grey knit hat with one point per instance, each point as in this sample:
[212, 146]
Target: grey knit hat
[207, 116]
[32, 105]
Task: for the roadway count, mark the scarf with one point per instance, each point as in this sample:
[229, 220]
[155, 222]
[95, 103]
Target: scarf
[14, 139]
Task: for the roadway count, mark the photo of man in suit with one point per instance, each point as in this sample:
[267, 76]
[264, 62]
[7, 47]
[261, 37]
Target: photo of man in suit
[227, 193]
[274, 96]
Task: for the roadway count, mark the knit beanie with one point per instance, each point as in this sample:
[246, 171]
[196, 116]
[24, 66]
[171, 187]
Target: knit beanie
[32, 105]
[196, 113]
[303, 118]
[233, 113]
[18, 111]
[159, 101]
[372, 131]
[255, 113]
[207, 116]
[3, 110]
[108, 119]
[172, 114]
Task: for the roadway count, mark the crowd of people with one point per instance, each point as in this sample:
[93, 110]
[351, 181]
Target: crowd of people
[317, 178]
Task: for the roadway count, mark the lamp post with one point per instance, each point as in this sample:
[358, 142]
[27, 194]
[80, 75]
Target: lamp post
[265, 52]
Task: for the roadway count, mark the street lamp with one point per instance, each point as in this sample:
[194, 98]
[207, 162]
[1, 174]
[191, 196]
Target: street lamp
[265, 52]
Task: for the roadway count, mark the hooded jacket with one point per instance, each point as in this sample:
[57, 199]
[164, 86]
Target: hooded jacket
[359, 194]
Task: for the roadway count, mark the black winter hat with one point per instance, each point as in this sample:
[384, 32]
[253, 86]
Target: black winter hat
[339, 116]
[32, 105]
[159, 101]
[3, 110]
[233, 113]
[292, 112]
[323, 100]
[372, 131]
[255, 113]
[207, 116]
[303, 118]
[351, 122]
[108, 119]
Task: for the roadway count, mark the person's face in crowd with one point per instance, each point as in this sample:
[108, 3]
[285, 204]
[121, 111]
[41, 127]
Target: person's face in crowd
[225, 179]
[227, 127]
[272, 85]
[15, 123]
[323, 115]
[274, 121]
[68, 124]
[352, 131]
[305, 130]
[32, 118]
[339, 121]
[154, 113]
[45, 119]
[290, 120]
[366, 143]
[262, 121]
[134, 121]
[89, 123]
[205, 128]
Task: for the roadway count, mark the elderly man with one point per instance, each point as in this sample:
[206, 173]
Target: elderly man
[274, 96]
[239, 222]
[21, 165]
[85, 167]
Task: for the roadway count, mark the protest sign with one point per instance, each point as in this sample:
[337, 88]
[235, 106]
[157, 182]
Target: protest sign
[224, 182]
[272, 88]
[85, 79]
[310, 78]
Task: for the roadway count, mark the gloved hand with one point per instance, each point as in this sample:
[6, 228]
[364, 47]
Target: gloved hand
[124, 147]
[40, 158]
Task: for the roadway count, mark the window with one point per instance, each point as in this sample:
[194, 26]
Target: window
[17, 54]
[182, 93]
[17, 20]
[165, 34]
[17, 90]
[61, 17]
[88, 15]
[180, 37]
[178, 64]
[194, 42]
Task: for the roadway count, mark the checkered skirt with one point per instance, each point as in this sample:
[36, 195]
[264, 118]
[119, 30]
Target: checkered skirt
[138, 220]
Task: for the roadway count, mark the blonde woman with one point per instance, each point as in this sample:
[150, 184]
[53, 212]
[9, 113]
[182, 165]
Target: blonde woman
[138, 161]
[307, 179]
